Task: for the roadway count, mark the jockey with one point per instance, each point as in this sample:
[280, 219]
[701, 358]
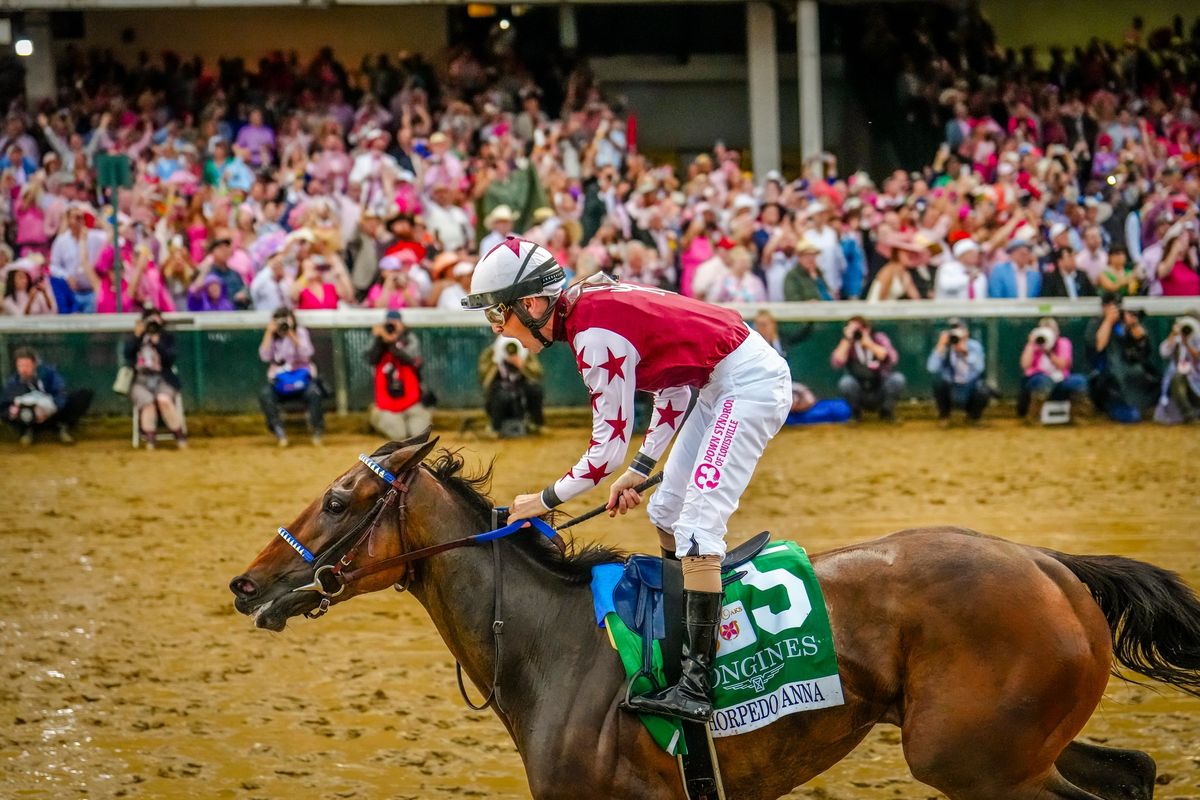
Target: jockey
[626, 337]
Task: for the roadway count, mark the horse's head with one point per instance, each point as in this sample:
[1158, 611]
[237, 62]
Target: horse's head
[359, 511]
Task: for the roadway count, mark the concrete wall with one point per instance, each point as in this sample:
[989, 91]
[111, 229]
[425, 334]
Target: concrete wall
[352, 31]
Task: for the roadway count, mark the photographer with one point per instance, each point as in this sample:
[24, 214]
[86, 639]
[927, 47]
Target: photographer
[512, 386]
[1046, 361]
[36, 398]
[957, 364]
[869, 359]
[150, 351]
[398, 411]
[1180, 400]
[1123, 382]
[288, 349]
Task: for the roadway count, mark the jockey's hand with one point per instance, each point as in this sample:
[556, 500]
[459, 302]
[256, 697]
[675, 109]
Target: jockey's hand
[621, 495]
[525, 506]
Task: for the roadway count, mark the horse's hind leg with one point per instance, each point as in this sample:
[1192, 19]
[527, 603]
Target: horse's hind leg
[1109, 772]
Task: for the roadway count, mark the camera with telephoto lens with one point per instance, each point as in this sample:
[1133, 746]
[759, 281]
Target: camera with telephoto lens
[283, 327]
[858, 335]
[390, 327]
[955, 336]
[1188, 325]
[511, 349]
[1044, 337]
[26, 414]
[153, 326]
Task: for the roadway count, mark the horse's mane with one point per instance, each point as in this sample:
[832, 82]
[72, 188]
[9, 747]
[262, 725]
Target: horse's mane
[574, 566]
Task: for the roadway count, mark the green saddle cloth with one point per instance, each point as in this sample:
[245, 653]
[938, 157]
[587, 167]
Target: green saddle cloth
[775, 652]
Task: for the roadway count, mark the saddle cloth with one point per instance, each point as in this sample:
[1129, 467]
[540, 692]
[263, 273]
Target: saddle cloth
[775, 653]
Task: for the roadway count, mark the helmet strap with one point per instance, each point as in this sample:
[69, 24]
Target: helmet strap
[535, 324]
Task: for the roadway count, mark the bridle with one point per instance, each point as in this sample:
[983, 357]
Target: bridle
[332, 574]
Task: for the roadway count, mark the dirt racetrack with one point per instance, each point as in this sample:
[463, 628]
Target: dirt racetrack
[127, 672]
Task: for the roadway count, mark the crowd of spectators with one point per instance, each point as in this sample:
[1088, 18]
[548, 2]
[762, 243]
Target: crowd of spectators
[314, 187]
[317, 187]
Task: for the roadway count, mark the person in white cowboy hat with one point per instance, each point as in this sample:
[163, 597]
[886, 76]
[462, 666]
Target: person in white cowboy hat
[499, 223]
[624, 338]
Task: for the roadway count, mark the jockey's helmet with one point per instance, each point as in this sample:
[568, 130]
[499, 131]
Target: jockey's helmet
[513, 269]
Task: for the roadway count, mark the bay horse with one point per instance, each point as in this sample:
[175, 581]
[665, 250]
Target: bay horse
[988, 655]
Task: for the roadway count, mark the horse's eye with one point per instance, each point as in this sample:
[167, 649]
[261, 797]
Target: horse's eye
[335, 506]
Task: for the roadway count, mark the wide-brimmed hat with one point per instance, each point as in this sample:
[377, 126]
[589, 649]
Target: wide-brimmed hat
[805, 246]
[500, 213]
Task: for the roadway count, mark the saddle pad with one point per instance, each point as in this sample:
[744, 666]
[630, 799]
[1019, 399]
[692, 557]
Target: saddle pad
[775, 653]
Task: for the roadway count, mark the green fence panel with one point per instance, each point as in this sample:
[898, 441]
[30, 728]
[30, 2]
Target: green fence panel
[221, 372]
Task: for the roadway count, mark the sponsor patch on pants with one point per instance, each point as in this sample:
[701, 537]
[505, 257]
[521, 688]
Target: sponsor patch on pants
[708, 475]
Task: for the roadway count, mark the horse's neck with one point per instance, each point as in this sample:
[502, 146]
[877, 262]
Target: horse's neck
[546, 639]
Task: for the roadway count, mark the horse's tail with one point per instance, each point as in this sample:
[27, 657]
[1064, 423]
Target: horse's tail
[1153, 615]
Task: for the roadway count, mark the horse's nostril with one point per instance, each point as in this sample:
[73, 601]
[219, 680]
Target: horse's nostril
[243, 586]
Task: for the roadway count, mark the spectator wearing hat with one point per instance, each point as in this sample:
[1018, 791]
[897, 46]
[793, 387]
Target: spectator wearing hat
[957, 366]
[74, 253]
[374, 171]
[448, 222]
[805, 282]
[870, 381]
[442, 167]
[894, 280]
[401, 228]
[287, 349]
[961, 278]
[454, 285]
[398, 411]
[821, 233]
[26, 291]
[1018, 276]
[1123, 382]
[1065, 279]
[1178, 272]
[216, 263]
[394, 288]
[499, 223]
[36, 398]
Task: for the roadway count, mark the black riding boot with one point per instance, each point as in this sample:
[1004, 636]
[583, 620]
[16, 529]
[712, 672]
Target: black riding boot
[691, 698]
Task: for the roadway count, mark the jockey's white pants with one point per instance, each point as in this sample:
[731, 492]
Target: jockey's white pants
[742, 406]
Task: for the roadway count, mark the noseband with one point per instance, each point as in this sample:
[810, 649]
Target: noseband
[336, 572]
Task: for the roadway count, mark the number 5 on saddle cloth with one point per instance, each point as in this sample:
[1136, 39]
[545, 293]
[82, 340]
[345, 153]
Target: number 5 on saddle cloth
[775, 654]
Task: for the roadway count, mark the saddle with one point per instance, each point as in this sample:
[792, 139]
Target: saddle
[649, 600]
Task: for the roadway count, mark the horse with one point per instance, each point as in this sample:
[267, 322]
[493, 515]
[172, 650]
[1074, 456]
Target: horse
[990, 656]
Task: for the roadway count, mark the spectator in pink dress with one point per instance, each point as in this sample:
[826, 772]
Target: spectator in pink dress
[322, 284]
[1179, 271]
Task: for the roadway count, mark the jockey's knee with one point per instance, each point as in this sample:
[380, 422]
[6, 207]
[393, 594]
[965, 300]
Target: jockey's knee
[666, 541]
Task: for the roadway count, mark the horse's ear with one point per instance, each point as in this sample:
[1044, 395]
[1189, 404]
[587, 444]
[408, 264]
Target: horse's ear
[409, 455]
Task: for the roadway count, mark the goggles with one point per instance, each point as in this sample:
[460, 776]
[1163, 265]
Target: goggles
[497, 314]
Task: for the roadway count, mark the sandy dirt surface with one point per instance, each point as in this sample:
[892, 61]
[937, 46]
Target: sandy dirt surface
[127, 673]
